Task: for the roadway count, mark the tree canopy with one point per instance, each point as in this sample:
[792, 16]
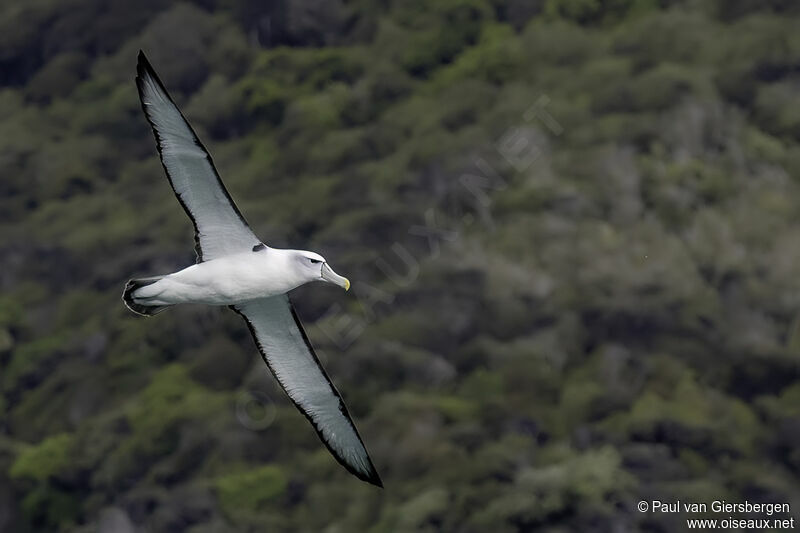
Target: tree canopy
[571, 226]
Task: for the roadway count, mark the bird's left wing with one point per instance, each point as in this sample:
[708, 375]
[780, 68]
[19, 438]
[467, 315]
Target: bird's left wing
[289, 355]
[220, 229]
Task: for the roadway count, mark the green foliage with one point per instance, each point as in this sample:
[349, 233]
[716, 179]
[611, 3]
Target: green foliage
[156, 418]
[496, 59]
[586, 480]
[11, 312]
[45, 459]
[772, 104]
[587, 11]
[449, 27]
[423, 511]
[31, 358]
[51, 507]
[249, 491]
[610, 310]
[729, 423]
[170, 398]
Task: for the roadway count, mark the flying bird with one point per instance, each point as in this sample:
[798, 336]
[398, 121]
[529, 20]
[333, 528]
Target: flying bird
[235, 268]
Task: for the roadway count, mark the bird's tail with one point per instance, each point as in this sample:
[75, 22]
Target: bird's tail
[141, 307]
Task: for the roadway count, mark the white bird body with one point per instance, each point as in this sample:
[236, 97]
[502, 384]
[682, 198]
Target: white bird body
[229, 280]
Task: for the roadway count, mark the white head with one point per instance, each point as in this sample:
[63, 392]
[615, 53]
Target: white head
[310, 266]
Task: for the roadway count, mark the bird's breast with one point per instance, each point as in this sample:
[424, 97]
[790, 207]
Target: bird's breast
[241, 278]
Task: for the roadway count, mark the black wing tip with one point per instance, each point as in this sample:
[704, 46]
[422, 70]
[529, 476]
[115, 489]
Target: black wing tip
[145, 70]
[372, 478]
[143, 66]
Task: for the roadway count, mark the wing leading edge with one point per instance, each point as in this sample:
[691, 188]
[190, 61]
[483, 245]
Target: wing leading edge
[220, 229]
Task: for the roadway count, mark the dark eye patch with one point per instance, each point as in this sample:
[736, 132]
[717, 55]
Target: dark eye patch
[314, 261]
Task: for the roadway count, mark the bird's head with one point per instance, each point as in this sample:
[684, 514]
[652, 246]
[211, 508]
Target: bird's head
[313, 267]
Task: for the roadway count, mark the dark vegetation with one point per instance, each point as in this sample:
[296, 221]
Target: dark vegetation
[615, 318]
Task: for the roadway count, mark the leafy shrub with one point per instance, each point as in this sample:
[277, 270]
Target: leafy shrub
[44, 460]
[251, 490]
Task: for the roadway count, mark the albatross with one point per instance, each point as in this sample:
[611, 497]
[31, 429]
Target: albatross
[235, 268]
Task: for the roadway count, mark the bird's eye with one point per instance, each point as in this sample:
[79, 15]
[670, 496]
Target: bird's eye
[314, 261]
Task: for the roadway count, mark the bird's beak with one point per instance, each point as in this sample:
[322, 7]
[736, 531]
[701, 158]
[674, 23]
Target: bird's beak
[332, 277]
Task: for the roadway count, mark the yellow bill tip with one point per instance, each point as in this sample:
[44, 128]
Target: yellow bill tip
[346, 284]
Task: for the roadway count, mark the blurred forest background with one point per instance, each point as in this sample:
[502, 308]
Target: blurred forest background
[612, 314]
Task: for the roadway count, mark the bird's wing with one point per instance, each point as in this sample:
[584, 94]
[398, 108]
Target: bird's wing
[289, 355]
[219, 227]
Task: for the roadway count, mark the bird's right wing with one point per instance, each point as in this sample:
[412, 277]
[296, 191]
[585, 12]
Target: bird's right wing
[220, 229]
[289, 355]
